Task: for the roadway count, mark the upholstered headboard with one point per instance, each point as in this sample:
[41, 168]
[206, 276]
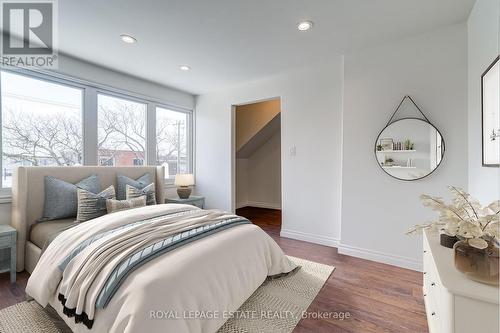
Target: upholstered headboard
[28, 192]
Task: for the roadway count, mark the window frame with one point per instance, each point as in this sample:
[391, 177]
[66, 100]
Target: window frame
[90, 92]
[189, 143]
[43, 78]
[134, 100]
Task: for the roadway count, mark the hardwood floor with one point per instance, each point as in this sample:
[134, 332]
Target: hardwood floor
[378, 297]
[12, 293]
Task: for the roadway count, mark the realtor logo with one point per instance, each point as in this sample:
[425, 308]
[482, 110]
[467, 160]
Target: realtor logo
[28, 33]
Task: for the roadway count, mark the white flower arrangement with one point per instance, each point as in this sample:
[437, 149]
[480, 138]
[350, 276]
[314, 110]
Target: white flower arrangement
[464, 217]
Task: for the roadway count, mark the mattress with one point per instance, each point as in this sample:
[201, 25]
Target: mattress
[43, 232]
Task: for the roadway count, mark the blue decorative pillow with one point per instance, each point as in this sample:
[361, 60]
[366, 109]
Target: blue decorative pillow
[61, 197]
[123, 181]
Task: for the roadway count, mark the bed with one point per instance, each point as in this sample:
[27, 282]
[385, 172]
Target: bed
[28, 199]
[160, 268]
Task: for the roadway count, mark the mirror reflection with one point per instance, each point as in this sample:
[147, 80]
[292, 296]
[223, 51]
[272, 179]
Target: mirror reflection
[409, 149]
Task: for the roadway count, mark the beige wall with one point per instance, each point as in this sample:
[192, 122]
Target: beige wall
[264, 174]
[250, 119]
[241, 182]
[258, 178]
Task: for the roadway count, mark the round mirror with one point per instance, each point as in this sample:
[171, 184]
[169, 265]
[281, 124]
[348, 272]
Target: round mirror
[409, 149]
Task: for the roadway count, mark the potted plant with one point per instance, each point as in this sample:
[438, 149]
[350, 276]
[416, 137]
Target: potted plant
[407, 144]
[477, 227]
[388, 162]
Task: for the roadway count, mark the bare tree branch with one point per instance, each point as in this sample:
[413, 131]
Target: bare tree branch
[40, 140]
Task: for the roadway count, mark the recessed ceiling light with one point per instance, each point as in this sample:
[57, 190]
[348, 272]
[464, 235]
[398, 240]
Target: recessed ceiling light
[184, 67]
[128, 39]
[304, 25]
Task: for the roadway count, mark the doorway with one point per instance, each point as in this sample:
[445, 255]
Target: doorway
[257, 162]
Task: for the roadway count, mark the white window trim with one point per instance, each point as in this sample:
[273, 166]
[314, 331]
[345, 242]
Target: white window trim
[6, 193]
[190, 141]
[90, 91]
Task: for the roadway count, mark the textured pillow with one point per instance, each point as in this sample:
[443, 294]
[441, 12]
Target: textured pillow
[123, 181]
[61, 197]
[149, 191]
[91, 205]
[113, 205]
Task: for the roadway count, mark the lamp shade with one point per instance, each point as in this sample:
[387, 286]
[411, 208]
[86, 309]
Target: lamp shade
[184, 179]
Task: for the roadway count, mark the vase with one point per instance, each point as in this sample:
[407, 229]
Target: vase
[447, 240]
[478, 265]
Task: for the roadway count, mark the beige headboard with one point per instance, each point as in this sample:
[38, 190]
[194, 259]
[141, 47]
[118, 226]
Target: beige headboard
[28, 192]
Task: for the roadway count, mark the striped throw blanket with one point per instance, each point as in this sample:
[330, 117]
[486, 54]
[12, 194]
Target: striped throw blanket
[124, 249]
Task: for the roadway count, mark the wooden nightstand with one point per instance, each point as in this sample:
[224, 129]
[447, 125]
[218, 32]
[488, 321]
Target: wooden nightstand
[8, 244]
[194, 200]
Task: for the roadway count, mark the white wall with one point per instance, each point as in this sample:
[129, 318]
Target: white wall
[258, 177]
[483, 47]
[310, 119]
[89, 72]
[377, 209]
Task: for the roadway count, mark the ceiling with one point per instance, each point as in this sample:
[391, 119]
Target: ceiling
[231, 41]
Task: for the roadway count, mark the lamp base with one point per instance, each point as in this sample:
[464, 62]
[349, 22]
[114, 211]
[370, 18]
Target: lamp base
[183, 192]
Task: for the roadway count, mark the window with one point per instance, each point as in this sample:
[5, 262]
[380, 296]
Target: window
[41, 124]
[172, 141]
[121, 131]
[45, 122]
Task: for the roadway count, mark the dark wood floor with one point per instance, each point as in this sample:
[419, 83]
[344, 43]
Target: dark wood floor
[379, 298]
[12, 293]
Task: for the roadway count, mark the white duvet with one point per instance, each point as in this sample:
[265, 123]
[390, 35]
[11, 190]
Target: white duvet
[191, 289]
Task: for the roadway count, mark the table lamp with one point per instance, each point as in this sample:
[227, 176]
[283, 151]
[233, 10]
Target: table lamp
[183, 181]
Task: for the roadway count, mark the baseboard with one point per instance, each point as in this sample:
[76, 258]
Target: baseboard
[311, 238]
[258, 204]
[241, 205]
[382, 257]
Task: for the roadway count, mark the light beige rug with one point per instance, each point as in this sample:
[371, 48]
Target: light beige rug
[276, 306]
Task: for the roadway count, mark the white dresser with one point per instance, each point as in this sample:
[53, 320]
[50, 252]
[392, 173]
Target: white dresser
[455, 304]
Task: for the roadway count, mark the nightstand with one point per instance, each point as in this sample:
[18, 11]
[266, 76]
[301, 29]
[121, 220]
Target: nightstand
[8, 244]
[194, 200]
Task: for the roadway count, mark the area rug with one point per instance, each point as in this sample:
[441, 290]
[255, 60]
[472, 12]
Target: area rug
[276, 306]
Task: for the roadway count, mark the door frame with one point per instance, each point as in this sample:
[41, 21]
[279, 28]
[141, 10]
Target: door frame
[233, 147]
